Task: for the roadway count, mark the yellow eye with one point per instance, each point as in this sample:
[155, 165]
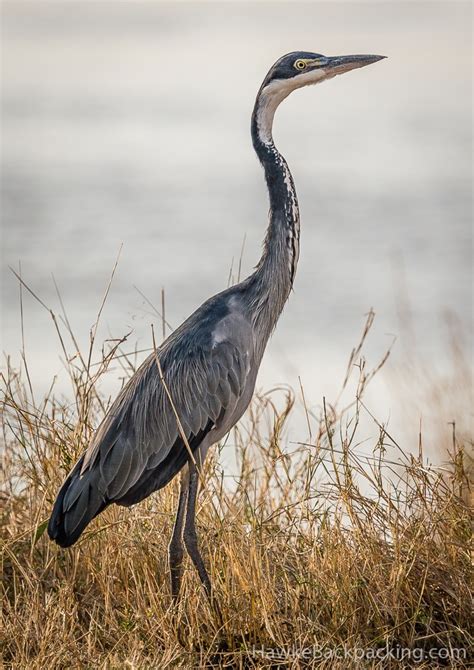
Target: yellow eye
[299, 64]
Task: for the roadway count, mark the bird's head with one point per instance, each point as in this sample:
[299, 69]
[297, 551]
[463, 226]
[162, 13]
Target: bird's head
[303, 68]
[298, 69]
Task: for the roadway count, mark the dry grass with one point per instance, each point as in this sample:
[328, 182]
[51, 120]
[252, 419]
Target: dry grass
[309, 546]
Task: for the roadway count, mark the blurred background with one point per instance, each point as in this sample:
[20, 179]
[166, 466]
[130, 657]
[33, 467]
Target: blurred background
[127, 123]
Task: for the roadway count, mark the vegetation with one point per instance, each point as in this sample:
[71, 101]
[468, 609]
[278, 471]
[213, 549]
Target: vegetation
[313, 548]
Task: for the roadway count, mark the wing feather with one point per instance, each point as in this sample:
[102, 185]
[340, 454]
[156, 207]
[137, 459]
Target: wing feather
[205, 368]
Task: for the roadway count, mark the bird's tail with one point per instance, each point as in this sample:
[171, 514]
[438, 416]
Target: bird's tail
[78, 502]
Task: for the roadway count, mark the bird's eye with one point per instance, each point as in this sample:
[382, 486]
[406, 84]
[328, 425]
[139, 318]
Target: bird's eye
[299, 64]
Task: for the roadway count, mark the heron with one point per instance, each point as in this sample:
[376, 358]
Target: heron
[193, 388]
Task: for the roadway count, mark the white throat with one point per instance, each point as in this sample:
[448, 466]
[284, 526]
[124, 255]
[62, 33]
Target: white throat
[275, 92]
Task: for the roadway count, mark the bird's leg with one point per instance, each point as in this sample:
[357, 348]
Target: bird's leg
[175, 548]
[190, 535]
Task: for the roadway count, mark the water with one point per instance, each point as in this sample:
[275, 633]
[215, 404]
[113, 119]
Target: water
[128, 124]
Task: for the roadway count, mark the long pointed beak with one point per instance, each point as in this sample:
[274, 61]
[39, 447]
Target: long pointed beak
[340, 64]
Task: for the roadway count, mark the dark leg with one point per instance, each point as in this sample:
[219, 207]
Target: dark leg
[175, 548]
[190, 536]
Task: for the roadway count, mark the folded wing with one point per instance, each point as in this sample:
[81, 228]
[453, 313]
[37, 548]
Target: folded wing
[139, 446]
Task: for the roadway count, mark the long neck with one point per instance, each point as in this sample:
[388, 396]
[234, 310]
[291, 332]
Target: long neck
[275, 272]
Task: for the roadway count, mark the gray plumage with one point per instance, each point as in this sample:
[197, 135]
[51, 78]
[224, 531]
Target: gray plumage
[209, 364]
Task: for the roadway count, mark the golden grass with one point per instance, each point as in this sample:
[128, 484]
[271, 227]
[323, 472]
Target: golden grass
[311, 548]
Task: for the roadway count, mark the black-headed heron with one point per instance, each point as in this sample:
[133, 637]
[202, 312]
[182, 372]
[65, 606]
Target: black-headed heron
[190, 392]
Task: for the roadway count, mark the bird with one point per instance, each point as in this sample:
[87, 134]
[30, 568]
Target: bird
[193, 388]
